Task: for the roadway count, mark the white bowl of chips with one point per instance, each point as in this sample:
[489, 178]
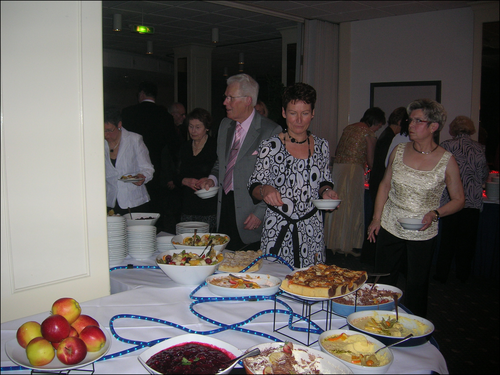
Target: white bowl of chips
[185, 241]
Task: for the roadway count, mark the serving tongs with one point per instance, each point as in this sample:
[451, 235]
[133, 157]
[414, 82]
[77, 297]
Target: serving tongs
[377, 277]
[227, 365]
[208, 244]
[245, 280]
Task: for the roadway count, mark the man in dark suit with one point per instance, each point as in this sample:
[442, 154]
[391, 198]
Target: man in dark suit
[157, 128]
[238, 140]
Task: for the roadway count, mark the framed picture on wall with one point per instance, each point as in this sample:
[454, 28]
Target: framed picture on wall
[390, 95]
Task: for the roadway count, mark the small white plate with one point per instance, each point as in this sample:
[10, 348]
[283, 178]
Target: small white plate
[17, 354]
[205, 194]
[326, 204]
[130, 179]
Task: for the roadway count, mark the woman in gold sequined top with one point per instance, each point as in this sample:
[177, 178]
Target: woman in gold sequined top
[344, 228]
[413, 183]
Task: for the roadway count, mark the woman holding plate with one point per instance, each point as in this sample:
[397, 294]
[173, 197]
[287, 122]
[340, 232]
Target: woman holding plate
[125, 154]
[197, 157]
[417, 174]
[291, 170]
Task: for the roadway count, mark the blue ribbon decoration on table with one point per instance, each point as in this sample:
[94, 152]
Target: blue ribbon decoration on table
[197, 300]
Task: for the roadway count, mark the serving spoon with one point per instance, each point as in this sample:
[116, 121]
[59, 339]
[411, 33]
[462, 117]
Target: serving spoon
[395, 297]
[399, 342]
[227, 365]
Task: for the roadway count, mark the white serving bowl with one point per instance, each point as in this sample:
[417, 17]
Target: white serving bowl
[327, 364]
[359, 369]
[225, 347]
[178, 239]
[326, 204]
[186, 275]
[408, 320]
[411, 224]
[345, 309]
[137, 215]
[205, 194]
[269, 285]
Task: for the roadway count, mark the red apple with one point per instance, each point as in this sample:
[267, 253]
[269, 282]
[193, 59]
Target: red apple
[27, 332]
[94, 338]
[55, 328]
[72, 333]
[40, 351]
[84, 321]
[71, 350]
[68, 308]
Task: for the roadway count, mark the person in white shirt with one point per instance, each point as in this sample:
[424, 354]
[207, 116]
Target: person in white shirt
[125, 154]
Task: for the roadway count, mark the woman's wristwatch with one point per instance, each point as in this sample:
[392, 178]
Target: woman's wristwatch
[324, 191]
[437, 215]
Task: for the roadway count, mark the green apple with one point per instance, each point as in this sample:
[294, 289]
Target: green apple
[27, 332]
[40, 352]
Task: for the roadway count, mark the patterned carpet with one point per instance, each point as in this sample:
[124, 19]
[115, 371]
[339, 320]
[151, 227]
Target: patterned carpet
[465, 316]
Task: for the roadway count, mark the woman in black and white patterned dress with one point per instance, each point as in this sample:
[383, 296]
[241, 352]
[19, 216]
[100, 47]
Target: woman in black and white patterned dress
[291, 170]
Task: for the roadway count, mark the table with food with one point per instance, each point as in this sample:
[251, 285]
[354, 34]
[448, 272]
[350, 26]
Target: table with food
[215, 305]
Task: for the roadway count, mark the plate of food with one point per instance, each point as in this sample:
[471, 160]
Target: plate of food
[17, 354]
[236, 261]
[366, 298]
[322, 282]
[243, 285]
[130, 178]
[357, 351]
[191, 241]
[384, 326]
[288, 358]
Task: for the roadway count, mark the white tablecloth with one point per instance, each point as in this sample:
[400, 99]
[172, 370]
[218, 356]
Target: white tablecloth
[173, 305]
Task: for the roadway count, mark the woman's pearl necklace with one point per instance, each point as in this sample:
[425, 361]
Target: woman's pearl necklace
[114, 148]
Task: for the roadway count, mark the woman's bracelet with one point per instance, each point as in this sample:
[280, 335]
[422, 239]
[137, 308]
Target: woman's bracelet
[261, 191]
[324, 191]
[437, 215]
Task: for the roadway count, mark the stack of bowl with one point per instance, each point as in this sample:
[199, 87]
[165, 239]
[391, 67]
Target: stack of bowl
[164, 243]
[190, 226]
[117, 239]
[141, 240]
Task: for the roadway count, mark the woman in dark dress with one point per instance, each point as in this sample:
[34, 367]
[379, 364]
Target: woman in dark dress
[197, 157]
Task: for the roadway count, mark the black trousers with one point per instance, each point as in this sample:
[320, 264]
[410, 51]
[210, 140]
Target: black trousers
[228, 225]
[392, 253]
[146, 207]
[458, 240]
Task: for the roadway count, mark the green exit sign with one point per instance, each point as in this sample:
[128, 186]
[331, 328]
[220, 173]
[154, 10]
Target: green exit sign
[141, 29]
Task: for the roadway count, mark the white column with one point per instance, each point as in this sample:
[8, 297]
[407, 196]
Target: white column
[199, 75]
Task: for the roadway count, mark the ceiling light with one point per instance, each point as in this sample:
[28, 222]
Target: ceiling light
[241, 61]
[149, 48]
[117, 22]
[215, 35]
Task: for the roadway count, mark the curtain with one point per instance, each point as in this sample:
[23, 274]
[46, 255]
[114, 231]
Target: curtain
[320, 70]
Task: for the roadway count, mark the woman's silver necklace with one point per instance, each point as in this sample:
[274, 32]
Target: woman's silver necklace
[425, 152]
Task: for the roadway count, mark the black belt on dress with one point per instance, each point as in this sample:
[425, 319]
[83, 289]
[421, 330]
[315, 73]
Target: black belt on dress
[295, 233]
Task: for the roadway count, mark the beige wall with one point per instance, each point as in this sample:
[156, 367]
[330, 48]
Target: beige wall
[53, 224]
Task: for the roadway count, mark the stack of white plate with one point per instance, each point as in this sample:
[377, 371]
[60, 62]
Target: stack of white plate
[164, 243]
[117, 239]
[190, 226]
[141, 240]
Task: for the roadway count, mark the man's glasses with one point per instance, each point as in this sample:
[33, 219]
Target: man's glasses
[230, 98]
